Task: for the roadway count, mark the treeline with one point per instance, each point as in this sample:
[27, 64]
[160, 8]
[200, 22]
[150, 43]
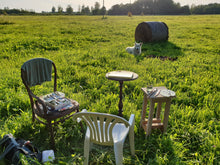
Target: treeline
[82, 10]
[139, 7]
[152, 7]
[206, 9]
[162, 7]
[6, 11]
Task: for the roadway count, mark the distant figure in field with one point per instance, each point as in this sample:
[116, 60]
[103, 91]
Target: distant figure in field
[136, 49]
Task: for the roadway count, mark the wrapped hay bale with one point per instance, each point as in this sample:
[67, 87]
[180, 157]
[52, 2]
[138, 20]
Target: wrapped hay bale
[151, 31]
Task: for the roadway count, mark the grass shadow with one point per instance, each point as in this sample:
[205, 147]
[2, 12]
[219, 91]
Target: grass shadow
[163, 50]
[155, 149]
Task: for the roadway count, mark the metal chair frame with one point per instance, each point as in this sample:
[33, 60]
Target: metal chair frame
[40, 110]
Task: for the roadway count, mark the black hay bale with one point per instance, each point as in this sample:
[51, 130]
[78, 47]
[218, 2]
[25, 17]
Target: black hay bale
[151, 31]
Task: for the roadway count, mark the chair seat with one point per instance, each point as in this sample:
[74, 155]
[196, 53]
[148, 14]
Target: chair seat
[55, 114]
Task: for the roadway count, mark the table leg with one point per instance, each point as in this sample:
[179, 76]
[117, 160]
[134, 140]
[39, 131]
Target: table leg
[150, 118]
[120, 105]
[166, 115]
[143, 113]
[158, 110]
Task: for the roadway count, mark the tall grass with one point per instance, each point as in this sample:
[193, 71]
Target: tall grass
[85, 48]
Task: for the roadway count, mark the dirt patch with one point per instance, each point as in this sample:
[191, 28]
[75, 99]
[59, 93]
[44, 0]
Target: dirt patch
[163, 58]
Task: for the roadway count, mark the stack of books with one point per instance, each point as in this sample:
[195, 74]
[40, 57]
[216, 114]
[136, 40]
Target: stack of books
[57, 101]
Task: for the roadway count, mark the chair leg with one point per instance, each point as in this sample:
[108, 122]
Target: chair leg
[52, 141]
[86, 150]
[131, 140]
[33, 116]
[118, 149]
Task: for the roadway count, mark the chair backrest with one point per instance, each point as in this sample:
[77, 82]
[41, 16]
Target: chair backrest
[101, 126]
[36, 71]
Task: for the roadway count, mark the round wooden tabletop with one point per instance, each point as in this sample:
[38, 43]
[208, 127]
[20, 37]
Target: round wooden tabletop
[121, 75]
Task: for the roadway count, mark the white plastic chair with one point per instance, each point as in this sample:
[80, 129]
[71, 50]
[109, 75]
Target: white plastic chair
[109, 130]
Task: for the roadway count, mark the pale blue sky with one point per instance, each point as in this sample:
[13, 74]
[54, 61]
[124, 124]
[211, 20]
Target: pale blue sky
[46, 5]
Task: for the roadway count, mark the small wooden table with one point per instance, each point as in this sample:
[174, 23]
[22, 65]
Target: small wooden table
[153, 123]
[121, 76]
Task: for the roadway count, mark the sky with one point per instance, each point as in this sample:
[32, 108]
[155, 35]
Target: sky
[46, 5]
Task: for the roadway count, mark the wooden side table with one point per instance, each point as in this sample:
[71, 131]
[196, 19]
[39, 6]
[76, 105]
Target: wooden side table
[155, 123]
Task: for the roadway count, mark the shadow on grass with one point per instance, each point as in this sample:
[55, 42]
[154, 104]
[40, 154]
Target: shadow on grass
[155, 149]
[163, 50]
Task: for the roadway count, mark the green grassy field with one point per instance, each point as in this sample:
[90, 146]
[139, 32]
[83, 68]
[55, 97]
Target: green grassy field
[84, 49]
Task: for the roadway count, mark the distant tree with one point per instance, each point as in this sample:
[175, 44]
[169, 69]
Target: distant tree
[96, 10]
[143, 7]
[185, 10]
[6, 11]
[119, 9]
[165, 6]
[53, 9]
[87, 10]
[97, 5]
[83, 9]
[69, 9]
[6, 8]
[60, 9]
[206, 9]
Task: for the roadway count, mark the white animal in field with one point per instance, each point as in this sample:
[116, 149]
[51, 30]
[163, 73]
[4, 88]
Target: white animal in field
[136, 49]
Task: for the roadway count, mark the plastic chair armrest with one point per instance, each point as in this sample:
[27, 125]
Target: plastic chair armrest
[132, 119]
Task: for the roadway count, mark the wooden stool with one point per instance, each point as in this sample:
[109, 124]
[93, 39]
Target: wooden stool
[153, 123]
